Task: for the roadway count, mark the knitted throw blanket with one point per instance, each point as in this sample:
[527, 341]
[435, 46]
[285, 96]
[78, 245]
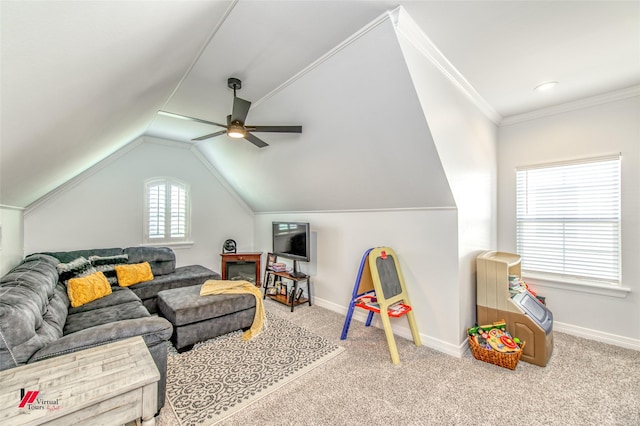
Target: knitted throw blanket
[239, 287]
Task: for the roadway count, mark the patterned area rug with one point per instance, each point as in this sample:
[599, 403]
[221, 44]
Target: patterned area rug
[221, 376]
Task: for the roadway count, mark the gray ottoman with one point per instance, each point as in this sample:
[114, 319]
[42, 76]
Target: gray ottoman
[197, 318]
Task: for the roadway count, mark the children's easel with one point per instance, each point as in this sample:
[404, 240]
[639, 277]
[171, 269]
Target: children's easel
[379, 288]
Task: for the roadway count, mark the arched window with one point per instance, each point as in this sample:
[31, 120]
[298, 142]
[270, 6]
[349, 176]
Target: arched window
[167, 211]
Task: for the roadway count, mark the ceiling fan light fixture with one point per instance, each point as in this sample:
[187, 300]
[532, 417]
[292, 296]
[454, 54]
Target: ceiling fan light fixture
[236, 130]
[235, 127]
[545, 86]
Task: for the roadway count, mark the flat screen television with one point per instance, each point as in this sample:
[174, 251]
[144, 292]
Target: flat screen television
[291, 240]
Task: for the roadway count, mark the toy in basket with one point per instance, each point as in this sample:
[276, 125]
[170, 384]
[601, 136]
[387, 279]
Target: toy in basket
[493, 344]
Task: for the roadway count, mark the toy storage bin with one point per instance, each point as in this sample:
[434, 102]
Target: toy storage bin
[506, 360]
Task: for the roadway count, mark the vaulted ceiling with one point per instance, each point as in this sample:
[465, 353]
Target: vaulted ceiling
[80, 80]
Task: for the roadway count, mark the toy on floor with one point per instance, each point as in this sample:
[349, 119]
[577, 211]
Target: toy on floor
[494, 337]
[380, 288]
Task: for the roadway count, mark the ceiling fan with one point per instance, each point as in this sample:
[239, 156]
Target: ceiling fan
[236, 127]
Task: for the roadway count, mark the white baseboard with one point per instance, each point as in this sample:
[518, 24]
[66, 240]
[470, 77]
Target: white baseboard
[431, 342]
[598, 336]
[460, 350]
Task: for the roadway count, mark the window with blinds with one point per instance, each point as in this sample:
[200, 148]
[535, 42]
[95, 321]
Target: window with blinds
[568, 219]
[167, 210]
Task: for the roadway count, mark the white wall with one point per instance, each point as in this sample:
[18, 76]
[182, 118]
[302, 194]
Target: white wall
[426, 249]
[11, 238]
[436, 247]
[364, 137]
[104, 206]
[593, 131]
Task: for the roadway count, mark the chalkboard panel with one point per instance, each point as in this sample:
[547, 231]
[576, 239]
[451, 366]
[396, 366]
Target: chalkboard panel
[388, 276]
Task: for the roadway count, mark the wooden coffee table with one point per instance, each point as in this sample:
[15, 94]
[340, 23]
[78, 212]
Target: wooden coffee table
[109, 384]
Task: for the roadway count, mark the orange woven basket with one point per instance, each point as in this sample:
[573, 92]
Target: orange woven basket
[503, 359]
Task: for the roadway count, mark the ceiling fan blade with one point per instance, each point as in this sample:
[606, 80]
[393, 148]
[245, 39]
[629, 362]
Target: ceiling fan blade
[256, 140]
[186, 117]
[210, 135]
[240, 109]
[279, 129]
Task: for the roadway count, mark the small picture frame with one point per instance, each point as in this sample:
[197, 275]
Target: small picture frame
[271, 259]
[291, 295]
[299, 294]
[271, 280]
[283, 289]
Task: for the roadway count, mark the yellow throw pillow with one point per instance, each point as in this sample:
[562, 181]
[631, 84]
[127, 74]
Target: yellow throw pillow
[133, 274]
[87, 289]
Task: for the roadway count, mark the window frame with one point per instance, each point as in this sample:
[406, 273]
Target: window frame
[168, 183]
[611, 287]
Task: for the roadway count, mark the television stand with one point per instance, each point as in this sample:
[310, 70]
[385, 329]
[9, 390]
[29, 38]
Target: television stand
[290, 295]
[296, 273]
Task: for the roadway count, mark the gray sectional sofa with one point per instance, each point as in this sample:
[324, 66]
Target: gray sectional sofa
[37, 321]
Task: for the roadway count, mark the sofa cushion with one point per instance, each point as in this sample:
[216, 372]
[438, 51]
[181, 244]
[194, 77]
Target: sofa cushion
[83, 290]
[118, 296]
[33, 309]
[107, 264]
[154, 331]
[110, 314]
[161, 259]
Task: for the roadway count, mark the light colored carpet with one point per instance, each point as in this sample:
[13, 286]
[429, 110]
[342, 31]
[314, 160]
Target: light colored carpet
[584, 383]
[226, 374]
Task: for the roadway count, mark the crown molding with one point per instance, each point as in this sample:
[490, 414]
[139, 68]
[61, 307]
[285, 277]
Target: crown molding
[7, 207]
[372, 210]
[167, 142]
[617, 95]
[407, 28]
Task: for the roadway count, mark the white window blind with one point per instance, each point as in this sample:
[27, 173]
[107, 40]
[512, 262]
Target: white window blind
[167, 210]
[178, 209]
[156, 202]
[568, 219]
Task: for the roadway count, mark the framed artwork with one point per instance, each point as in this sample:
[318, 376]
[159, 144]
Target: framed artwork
[271, 259]
[271, 280]
[283, 289]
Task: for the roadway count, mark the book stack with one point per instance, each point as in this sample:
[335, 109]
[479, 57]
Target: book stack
[279, 267]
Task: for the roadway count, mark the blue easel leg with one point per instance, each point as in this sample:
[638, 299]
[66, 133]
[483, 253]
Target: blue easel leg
[347, 321]
[369, 318]
[354, 295]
